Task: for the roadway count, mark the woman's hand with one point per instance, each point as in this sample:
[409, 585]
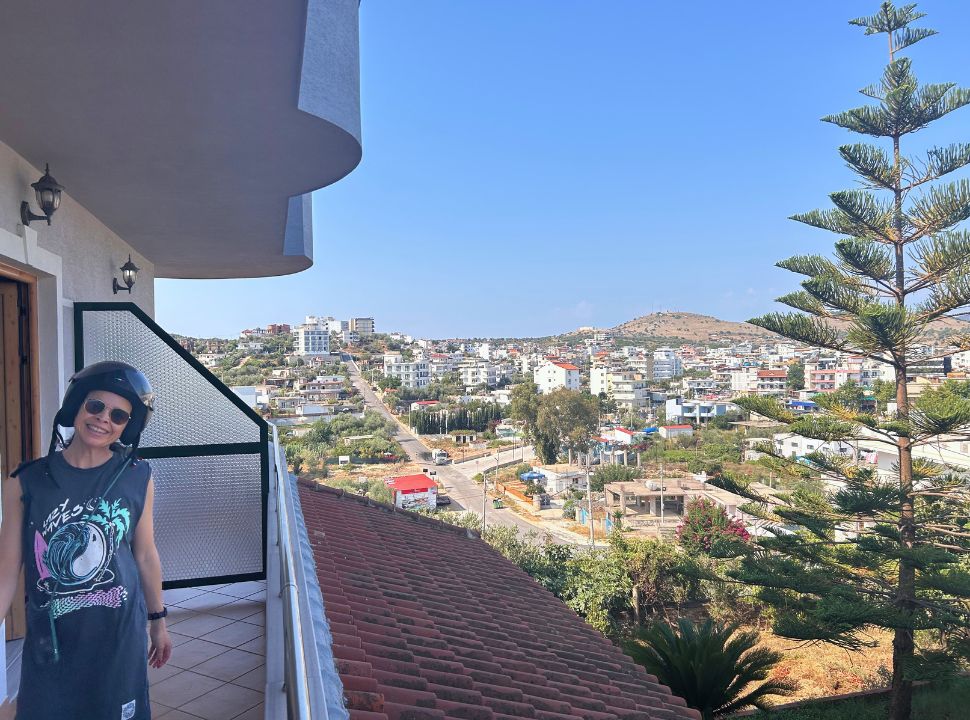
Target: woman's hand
[161, 646]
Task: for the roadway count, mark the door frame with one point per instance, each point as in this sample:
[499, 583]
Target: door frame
[16, 620]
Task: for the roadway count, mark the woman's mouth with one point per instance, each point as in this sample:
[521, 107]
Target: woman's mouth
[96, 430]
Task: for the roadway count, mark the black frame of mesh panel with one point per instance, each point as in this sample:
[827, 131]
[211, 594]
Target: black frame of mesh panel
[247, 448]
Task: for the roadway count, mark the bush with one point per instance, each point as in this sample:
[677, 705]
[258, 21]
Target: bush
[706, 528]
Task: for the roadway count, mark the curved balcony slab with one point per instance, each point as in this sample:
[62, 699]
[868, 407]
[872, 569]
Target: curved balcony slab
[194, 130]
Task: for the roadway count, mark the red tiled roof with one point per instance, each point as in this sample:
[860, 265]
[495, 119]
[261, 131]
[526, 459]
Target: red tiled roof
[411, 482]
[772, 373]
[429, 622]
[565, 366]
[676, 427]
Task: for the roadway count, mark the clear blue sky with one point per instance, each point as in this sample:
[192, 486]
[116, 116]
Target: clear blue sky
[535, 165]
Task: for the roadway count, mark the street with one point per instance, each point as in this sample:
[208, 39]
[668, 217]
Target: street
[456, 478]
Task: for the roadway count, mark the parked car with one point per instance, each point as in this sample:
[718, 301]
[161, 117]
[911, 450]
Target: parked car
[442, 500]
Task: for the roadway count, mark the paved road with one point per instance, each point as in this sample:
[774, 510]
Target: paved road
[456, 478]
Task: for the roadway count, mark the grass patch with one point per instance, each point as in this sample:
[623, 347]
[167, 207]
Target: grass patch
[941, 701]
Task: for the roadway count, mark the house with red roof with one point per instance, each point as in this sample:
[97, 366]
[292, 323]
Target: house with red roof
[411, 492]
[623, 436]
[428, 622]
[554, 374]
[675, 431]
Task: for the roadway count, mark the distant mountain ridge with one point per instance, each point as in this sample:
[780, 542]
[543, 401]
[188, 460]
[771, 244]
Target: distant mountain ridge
[672, 326]
[691, 327]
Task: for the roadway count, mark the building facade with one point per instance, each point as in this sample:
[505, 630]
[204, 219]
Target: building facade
[553, 375]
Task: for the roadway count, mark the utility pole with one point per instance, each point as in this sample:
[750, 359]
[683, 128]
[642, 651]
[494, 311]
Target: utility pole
[484, 496]
[661, 497]
[589, 504]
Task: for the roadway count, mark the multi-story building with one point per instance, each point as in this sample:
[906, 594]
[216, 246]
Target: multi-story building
[363, 326]
[680, 410]
[627, 388]
[414, 374]
[337, 326]
[771, 382]
[477, 372]
[667, 364]
[312, 339]
[552, 375]
[642, 363]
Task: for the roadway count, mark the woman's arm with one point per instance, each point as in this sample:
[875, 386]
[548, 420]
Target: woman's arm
[150, 573]
[11, 553]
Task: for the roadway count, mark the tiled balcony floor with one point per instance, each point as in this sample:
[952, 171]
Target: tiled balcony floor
[218, 665]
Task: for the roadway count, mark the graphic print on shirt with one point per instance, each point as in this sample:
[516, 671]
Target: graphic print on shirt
[73, 552]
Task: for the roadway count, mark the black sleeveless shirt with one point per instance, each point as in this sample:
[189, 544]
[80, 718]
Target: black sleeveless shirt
[84, 594]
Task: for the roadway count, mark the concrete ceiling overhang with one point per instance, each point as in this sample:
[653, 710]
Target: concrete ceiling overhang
[194, 129]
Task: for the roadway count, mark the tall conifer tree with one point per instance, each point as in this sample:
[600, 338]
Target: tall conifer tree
[874, 552]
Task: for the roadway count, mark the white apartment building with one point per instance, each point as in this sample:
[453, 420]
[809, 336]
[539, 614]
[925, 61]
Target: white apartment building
[667, 364]
[477, 372]
[699, 412]
[416, 374]
[699, 387]
[744, 379]
[628, 389]
[791, 445]
[312, 339]
[642, 364]
[337, 326]
[552, 375]
[363, 326]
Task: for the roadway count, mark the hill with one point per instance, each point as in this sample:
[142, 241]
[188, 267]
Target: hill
[671, 327]
[690, 327]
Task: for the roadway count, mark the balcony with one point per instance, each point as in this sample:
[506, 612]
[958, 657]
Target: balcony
[246, 612]
[251, 649]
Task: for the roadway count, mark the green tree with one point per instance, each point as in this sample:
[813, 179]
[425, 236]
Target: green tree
[568, 417]
[613, 473]
[711, 666]
[849, 395]
[796, 376]
[884, 392]
[524, 406]
[900, 264]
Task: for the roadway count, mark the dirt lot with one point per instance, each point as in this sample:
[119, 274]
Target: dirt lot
[822, 670]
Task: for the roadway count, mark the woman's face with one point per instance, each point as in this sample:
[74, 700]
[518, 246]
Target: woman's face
[94, 425]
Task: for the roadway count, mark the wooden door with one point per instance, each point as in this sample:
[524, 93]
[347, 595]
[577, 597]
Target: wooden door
[16, 403]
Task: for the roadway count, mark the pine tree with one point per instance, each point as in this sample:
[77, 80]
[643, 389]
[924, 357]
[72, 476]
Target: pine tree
[877, 552]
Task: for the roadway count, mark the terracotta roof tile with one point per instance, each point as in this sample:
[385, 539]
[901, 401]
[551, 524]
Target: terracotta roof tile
[429, 623]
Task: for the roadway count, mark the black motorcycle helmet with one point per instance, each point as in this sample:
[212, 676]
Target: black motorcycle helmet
[117, 377]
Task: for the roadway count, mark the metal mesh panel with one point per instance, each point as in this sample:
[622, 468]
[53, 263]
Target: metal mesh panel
[208, 516]
[189, 410]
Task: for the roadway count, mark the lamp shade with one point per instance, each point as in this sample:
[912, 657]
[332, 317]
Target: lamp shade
[48, 193]
[128, 272]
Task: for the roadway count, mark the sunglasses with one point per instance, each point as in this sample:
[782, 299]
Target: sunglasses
[117, 415]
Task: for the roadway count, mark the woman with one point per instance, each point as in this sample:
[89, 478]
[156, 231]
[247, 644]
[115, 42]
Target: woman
[79, 521]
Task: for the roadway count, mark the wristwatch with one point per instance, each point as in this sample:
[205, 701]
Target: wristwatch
[158, 615]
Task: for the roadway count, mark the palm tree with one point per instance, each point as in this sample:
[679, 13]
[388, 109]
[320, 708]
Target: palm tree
[711, 666]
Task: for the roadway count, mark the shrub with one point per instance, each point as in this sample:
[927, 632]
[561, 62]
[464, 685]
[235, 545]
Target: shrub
[706, 528]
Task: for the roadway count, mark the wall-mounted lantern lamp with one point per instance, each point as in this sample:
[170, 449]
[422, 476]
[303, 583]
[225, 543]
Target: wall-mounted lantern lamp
[48, 193]
[128, 272]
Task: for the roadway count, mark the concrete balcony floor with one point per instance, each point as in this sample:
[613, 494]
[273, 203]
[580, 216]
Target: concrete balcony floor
[218, 665]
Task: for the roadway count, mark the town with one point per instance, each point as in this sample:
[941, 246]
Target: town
[662, 420]
[480, 360]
